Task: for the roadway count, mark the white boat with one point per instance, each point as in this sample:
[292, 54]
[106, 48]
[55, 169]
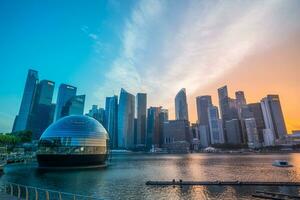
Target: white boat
[281, 163]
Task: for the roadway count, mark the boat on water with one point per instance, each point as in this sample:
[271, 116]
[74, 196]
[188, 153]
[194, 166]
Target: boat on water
[281, 163]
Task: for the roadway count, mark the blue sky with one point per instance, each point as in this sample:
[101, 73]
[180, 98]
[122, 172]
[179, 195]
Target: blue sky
[149, 46]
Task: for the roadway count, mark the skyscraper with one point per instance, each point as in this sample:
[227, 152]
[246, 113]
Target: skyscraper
[203, 102]
[240, 98]
[273, 116]
[98, 114]
[153, 127]
[74, 106]
[126, 113]
[141, 118]
[255, 109]
[43, 110]
[181, 106]
[224, 103]
[21, 120]
[215, 126]
[111, 117]
[65, 93]
[252, 133]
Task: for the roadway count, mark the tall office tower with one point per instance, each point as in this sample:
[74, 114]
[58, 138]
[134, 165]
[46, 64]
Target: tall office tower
[43, 110]
[126, 114]
[255, 109]
[195, 136]
[65, 93]
[111, 118]
[177, 135]
[273, 116]
[224, 103]
[181, 106]
[215, 126]
[233, 129]
[163, 117]
[21, 120]
[74, 106]
[153, 127]
[203, 102]
[204, 136]
[141, 125]
[252, 133]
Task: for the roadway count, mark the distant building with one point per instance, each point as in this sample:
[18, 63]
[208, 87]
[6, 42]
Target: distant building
[126, 112]
[252, 133]
[65, 93]
[195, 136]
[177, 135]
[153, 127]
[273, 116]
[255, 109]
[204, 136]
[181, 106]
[74, 106]
[21, 120]
[203, 102]
[43, 110]
[141, 118]
[98, 114]
[111, 119]
[215, 126]
[233, 129]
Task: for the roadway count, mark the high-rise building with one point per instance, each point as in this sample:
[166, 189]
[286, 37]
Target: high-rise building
[43, 110]
[111, 118]
[21, 120]
[195, 136]
[252, 133]
[74, 106]
[273, 116]
[233, 130]
[255, 109]
[126, 113]
[203, 102]
[181, 106]
[65, 93]
[141, 125]
[153, 127]
[240, 98]
[215, 126]
[177, 135]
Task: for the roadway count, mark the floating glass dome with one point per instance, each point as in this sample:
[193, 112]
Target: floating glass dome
[75, 140]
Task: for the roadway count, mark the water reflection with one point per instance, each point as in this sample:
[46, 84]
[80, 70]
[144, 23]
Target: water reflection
[126, 176]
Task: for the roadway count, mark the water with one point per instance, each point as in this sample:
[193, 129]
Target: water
[126, 176]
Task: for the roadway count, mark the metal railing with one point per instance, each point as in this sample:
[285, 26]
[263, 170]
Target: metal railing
[34, 193]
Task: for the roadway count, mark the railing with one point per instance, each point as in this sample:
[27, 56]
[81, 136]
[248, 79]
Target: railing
[34, 193]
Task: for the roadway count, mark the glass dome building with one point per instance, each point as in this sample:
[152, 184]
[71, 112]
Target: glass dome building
[73, 141]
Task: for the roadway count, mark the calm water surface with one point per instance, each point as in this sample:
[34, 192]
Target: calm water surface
[126, 176]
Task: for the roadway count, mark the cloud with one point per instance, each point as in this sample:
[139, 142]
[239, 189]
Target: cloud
[167, 45]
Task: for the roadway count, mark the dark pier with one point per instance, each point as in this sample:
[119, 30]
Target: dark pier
[221, 183]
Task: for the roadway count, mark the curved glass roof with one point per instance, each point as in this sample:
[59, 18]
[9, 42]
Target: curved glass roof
[76, 126]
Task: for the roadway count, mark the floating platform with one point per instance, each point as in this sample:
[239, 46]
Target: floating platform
[221, 183]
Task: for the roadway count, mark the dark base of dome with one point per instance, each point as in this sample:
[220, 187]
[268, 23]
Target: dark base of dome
[71, 161]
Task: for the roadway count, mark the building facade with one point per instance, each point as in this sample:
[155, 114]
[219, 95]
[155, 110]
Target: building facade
[111, 118]
[181, 106]
[215, 126]
[141, 126]
[126, 112]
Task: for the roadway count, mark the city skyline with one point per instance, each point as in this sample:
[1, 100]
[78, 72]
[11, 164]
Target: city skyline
[258, 54]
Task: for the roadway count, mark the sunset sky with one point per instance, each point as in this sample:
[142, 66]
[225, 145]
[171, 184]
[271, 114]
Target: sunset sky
[157, 47]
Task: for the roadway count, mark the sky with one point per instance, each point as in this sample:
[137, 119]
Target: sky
[152, 46]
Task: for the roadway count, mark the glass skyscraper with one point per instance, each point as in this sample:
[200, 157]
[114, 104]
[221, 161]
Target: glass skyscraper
[43, 109]
[126, 112]
[65, 93]
[141, 118]
[111, 119]
[21, 120]
[153, 127]
[215, 126]
[203, 102]
[181, 106]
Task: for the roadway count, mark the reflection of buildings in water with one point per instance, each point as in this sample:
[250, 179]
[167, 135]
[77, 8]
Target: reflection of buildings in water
[213, 192]
[295, 161]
